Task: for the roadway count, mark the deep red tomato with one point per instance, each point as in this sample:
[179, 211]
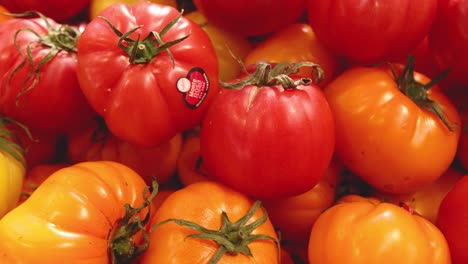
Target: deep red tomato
[146, 91]
[271, 138]
[251, 18]
[369, 31]
[55, 9]
[452, 220]
[449, 41]
[41, 90]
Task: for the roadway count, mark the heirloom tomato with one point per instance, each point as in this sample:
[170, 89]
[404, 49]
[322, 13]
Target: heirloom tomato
[368, 233]
[448, 39]
[97, 143]
[371, 31]
[84, 213]
[55, 9]
[251, 18]
[230, 47]
[453, 218]
[295, 215]
[36, 176]
[398, 133]
[270, 135]
[207, 222]
[96, 6]
[12, 168]
[147, 70]
[38, 82]
[426, 200]
[302, 45]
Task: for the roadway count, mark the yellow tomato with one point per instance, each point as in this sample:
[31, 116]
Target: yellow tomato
[230, 48]
[96, 6]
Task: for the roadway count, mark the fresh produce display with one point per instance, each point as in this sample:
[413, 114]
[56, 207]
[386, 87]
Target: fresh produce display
[228, 132]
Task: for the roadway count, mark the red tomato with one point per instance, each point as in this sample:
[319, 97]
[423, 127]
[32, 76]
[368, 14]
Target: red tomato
[387, 132]
[448, 39]
[452, 220]
[55, 9]
[147, 97]
[462, 151]
[4, 17]
[266, 140]
[97, 143]
[39, 91]
[370, 31]
[251, 18]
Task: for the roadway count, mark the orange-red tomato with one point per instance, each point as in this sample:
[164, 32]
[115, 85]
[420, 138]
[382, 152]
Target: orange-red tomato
[36, 176]
[294, 43]
[204, 203]
[94, 143]
[189, 165]
[366, 232]
[385, 137]
[4, 17]
[294, 216]
[426, 200]
[229, 47]
[73, 216]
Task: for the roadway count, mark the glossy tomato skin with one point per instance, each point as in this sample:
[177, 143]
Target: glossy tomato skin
[371, 31]
[386, 139]
[56, 104]
[55, 9]
[69, 217]
[302, 44]
[366, 233]
[268, 142]
[114, 86]
[251, 18]
[452, 220]
[208, 200]
[448, 39]
[96, 6]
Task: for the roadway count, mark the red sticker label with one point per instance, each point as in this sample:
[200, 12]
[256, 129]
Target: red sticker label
[194, 87]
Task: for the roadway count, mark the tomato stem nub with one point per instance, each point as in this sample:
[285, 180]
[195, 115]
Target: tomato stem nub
[143, 51]
[122, 247]
[418, 92]
[265, 75]
[232, 237]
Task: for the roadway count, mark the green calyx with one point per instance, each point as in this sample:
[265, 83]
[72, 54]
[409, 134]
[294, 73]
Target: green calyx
[122, 247]
[8, 140]
[233, 237]
[266, 75]
[63, 38]
[418, 92]
[142, 51]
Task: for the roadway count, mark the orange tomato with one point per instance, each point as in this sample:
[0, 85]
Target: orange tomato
[426, 200]
[4, 17]
[368, 233]
[35, 177]
[96, 6]
[189, 165]
[229, 46]
[77, 215]
[294, 43]
[294, 216]
[387, 138]
[97, 143]
[210, 205]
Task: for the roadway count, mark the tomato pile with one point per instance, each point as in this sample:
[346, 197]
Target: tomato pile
[209, 131]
